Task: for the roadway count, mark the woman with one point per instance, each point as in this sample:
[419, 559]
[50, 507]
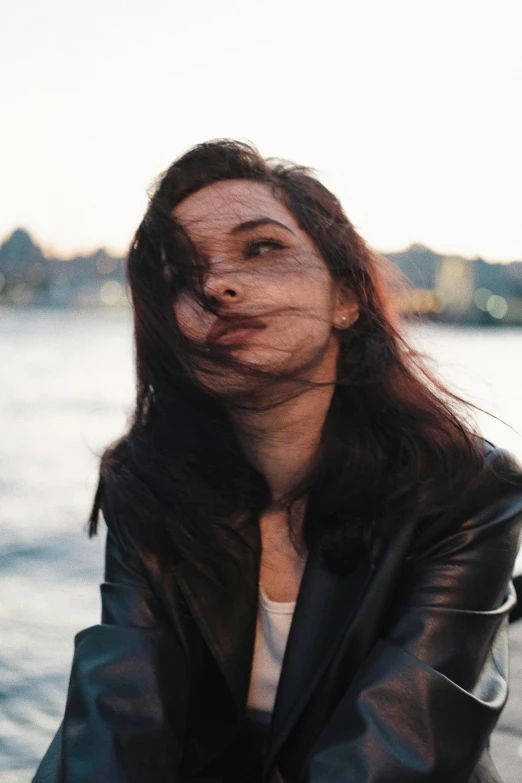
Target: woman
[294, 482]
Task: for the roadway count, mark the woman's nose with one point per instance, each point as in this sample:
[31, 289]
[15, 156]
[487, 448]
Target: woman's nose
[224, 286]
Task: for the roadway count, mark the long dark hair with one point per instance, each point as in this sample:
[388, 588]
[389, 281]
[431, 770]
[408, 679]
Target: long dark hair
[393, 432]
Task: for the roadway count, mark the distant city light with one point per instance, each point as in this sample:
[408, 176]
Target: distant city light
[419, 300]
[497, 306]
[454, 283]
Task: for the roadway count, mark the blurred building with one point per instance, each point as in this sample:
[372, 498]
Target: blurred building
[458, 290]
[27, 277]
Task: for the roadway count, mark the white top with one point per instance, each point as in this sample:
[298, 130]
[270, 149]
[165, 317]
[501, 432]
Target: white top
[273, 625]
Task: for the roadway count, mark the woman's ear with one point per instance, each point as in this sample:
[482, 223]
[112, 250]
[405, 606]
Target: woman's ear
[347, 306]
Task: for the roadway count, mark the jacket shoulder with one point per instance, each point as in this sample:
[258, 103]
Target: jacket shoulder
[495, 502]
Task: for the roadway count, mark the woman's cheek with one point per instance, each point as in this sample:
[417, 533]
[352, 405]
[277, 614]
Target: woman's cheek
[187, 319]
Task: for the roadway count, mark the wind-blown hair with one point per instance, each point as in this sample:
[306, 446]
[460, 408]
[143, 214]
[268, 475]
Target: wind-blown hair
[394, 433]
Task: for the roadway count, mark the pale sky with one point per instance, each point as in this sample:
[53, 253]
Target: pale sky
[410, 110]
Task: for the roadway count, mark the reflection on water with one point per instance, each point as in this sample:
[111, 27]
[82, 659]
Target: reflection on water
[67, 391]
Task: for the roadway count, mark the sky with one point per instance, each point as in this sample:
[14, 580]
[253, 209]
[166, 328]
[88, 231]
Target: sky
[410, 111]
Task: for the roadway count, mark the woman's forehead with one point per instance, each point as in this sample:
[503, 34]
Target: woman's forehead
[219, 207]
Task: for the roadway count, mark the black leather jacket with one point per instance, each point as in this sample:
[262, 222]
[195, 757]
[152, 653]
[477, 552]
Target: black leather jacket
[394, 671]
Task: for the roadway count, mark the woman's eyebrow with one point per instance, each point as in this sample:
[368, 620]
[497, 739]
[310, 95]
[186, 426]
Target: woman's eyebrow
[249, 224]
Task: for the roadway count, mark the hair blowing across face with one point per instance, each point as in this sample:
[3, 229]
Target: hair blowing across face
[394, 434]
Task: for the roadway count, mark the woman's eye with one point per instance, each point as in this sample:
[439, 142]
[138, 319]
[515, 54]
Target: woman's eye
[254, 248]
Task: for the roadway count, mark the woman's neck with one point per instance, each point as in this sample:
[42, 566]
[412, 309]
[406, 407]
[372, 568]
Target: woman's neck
[282, 442]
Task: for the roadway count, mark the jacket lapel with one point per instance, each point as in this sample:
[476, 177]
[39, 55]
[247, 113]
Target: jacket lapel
[324, 610]
[227, 620]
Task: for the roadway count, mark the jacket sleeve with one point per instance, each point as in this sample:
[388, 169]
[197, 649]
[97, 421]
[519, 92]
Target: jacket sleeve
[128, 687]
[423, 704]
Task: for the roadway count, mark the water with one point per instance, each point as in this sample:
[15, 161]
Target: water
[66, 391]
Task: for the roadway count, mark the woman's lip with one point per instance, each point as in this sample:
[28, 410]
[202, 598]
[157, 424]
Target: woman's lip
[224, 325]
[240, 334]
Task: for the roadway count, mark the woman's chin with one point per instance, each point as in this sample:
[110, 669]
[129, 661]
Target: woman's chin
[256, 376]
[262, 370]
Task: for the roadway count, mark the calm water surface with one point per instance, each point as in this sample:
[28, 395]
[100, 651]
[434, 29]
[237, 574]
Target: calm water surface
[66, 391]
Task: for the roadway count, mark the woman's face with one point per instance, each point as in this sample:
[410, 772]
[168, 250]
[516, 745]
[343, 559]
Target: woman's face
[262, 264]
